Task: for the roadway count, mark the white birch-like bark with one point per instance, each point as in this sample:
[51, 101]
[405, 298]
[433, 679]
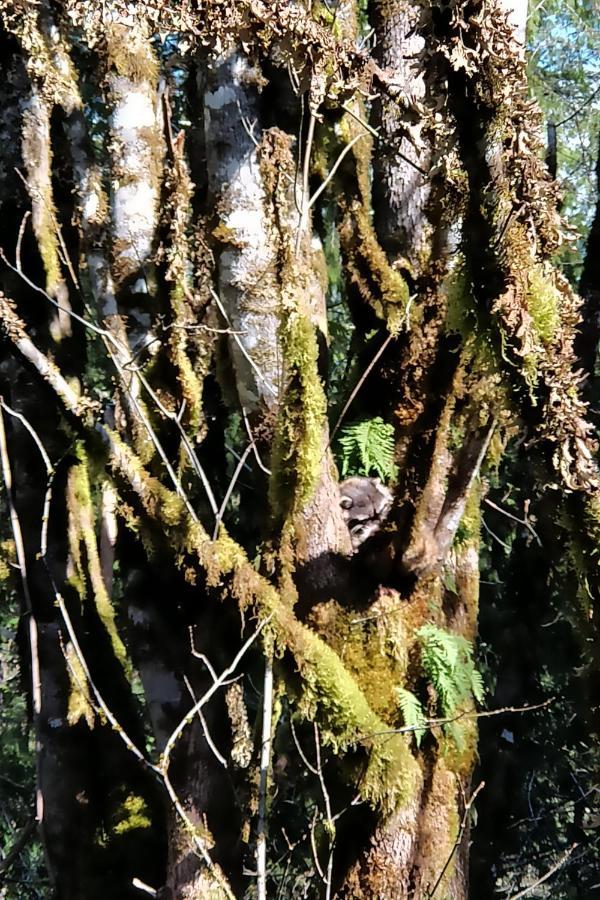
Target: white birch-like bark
[248, 287]
[136, 156]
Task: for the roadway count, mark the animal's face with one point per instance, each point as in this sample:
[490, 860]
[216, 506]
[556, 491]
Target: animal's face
[365, 504]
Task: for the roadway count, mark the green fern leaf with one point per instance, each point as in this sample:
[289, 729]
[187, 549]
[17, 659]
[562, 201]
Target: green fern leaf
[412, 713]
[447, 660]
[367, 448]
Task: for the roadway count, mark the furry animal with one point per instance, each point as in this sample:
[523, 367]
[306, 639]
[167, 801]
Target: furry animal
[365, 503]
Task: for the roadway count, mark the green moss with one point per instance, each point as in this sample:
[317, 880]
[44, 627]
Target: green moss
[132, 814]
[79, 706]
[82, 533]
[298, 445]
[48, 247]
[543, 301]
[7, 560]
[373, 651]
[331, 696]
[379, 283]
[470, 524]
[130, 55]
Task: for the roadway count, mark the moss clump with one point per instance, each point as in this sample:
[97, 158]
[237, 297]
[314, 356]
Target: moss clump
[80, 706]
[82, 536]
[331, 696]
[543, 301]
[132, 814]
[374, 652]
[8, 557]
[378, 283]
[298, 445]
[129, 54]
[470, 525]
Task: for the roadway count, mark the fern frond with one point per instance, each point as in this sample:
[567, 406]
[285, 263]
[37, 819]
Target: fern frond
[448, 663]
[367, 448]
[412, 713]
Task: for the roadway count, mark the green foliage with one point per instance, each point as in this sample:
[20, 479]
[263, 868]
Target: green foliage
[448, 663]
[366, 448]
[412, 713]
[563, 72]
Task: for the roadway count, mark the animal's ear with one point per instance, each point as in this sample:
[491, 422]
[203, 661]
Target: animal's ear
[346, 501]
[375, 481]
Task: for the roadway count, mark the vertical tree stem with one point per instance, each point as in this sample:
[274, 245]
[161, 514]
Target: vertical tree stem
[265, 761]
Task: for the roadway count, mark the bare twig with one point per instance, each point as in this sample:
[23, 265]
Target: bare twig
[21, 841]
[304, 201]
[563, 859]
[230, 488]
[358, 386]
[36, 678]
[261, 465]
[465, 714]
[459, 836]
[494, 535]
[191, 714]
[329, 821]
[265, 762]
[334, 169]
[219, 756]
[141, 886]
[525, 521]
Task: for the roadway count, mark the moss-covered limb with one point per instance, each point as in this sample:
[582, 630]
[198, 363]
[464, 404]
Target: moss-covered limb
[377, 282]
[189, 347]
[37, 156]
[82, 536]
[45, 55]
[304, 481]
[512, 227]
[327, 689]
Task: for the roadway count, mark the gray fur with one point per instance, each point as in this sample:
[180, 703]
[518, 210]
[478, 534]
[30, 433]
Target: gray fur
[365, 503]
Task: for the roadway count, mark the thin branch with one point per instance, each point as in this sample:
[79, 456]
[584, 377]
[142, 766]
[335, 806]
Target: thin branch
[358, 386]
[191, 714]
[230, 488]
[494, 535]
[261, 465]
[563, 859]
[265, 762]
[304, 202]
[36, 677]
[465, 714]
[459, 836]
[141, 886]
[21, 841]
[329, 823]
[585, 103]
[509, 515]
[204, 724]
[334, 169]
